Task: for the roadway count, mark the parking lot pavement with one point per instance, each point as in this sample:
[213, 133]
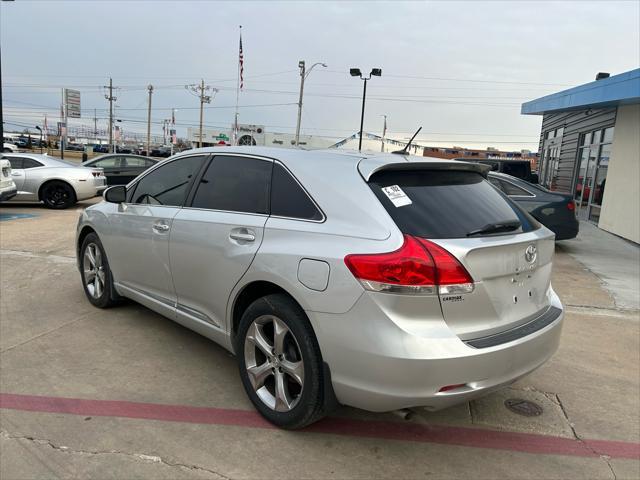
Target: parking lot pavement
[125, 393]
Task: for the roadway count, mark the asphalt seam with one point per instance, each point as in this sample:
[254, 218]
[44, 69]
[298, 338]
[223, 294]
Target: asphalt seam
[43, 334]
[628, 314]
[47, 256]
[137, 456]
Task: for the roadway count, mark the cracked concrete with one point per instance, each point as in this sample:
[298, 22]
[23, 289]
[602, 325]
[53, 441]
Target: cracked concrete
[184, 470]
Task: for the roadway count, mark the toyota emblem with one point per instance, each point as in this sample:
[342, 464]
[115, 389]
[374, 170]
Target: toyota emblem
[531, 253]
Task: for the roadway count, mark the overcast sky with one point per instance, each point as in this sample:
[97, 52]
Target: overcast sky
[458, 69]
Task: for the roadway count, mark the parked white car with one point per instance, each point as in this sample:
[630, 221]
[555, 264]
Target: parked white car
[7, 185]
[9, 147]
[56, 183]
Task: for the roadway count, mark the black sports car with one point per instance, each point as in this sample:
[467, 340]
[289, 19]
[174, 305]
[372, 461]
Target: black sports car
[556, 211]
[120, 168]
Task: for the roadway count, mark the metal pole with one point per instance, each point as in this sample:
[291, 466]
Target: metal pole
[364, 96]
[201, 112]
[150, 88]
[302, 66]
[66, 124]
[384, 133]
[110, 115]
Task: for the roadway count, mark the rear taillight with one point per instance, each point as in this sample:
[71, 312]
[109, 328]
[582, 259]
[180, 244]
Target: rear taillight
[571, 206]
[418, 267]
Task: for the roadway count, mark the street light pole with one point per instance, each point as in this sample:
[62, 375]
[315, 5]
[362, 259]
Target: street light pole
[40, 130]
[364, 97]
[303, 76]
[355, 72]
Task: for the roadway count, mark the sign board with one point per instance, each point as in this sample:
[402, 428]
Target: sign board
[72, 102]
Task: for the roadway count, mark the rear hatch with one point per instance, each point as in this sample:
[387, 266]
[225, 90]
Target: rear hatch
[506, 252]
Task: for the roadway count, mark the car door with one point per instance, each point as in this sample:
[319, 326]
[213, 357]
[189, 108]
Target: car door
[132, 167]
[108, 165]
[215, 238]
[26, 182]
[137, 243]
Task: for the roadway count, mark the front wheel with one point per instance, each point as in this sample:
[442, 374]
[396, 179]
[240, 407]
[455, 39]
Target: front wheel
[280, 362]
[58, 195]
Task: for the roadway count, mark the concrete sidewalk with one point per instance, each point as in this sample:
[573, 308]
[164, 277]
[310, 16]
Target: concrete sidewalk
[614, 260]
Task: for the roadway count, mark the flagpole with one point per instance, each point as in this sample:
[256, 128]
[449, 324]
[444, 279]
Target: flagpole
[235, 128]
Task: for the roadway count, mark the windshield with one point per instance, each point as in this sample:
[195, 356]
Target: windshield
[447, 204]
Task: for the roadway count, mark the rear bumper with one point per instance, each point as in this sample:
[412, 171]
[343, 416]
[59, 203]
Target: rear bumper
[380, 364]
[566, 232]
[87, 190]
[8, 193]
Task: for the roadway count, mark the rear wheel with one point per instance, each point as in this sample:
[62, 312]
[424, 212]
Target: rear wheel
[58, 195]
[96, 275]
[280, 362]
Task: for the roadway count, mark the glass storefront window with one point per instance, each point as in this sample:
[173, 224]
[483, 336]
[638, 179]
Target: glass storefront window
[591, 174]
[608, 135]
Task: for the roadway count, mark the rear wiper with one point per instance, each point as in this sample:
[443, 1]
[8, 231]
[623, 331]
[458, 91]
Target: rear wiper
[496, 227]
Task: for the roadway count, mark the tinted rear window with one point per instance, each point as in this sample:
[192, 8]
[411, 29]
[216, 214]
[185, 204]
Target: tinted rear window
[446, 204]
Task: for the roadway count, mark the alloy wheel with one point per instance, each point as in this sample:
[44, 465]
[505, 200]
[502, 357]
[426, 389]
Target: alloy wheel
[94, 274]
[273, 362]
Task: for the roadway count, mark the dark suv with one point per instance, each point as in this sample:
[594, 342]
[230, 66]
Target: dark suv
[515, 168]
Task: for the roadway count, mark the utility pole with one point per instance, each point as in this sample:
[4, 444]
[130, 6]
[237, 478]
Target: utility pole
[95, 124]
[303, 76]
[150, 88]
[199, 91]
[301, 65]
[111, 99]
[63, 126]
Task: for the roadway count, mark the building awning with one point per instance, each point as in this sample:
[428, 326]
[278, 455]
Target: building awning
[622, 89]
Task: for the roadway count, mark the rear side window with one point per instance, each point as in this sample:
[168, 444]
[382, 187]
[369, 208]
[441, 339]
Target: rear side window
[288, 199]
[168, 185]
[444, 204]
[235, 184]
[30, 163]
[520, 170]
[16, 163]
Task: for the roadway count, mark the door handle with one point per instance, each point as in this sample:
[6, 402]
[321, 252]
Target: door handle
[242, 235]
[161, 227]
[14, 174]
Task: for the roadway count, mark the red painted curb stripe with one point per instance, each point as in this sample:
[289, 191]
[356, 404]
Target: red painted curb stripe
[408, 432]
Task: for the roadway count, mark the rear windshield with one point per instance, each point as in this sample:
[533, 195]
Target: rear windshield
[445, 204]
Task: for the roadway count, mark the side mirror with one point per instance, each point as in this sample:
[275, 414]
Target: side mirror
[116, 194]
[535, 179]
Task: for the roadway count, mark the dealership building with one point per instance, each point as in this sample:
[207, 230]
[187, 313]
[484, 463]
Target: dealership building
[590, 147]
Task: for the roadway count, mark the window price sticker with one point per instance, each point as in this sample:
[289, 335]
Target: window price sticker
[397, 196]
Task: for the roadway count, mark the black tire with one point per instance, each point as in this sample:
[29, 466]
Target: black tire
[107, 297]
[58, 195]
[310, 401]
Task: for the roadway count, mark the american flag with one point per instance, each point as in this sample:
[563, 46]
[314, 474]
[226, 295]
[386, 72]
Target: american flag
[241, 64]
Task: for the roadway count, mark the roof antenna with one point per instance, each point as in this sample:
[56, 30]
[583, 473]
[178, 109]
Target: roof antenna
[404, 150]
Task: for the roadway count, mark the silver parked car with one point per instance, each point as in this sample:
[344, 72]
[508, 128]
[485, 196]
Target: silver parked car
[56, 183]
[377, 281]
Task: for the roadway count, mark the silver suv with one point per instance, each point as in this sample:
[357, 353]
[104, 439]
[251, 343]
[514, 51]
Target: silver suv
[378, 281]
